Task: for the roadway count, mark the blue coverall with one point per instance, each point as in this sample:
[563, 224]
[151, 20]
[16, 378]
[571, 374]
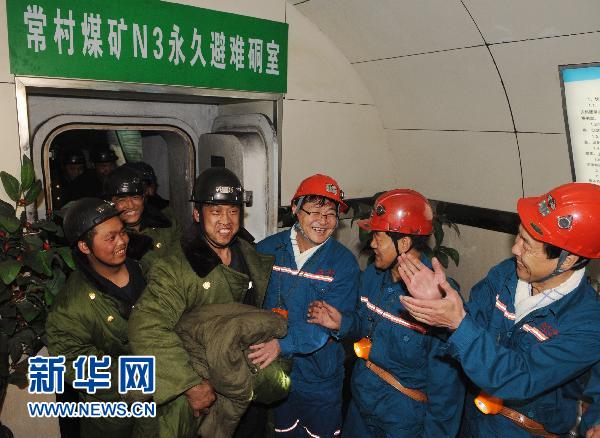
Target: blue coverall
[411, 353]
[591, 417]
[532, 365]
[330, 274]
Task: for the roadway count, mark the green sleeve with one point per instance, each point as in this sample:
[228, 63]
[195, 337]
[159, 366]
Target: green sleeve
[70, 328]
[151, 330]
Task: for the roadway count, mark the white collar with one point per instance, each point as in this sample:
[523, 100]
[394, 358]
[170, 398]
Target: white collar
[301, 257]
[525, 303]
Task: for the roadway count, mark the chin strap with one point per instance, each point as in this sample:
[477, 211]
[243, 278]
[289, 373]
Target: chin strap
[558, 270]
[301, 231]
[216, 244]
[132, 226]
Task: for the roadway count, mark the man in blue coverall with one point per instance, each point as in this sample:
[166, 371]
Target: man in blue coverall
[403, 384]
[532, 326]
[310, 265]
[590, 423]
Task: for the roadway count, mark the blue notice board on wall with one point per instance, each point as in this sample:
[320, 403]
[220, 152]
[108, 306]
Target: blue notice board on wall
[581, 104]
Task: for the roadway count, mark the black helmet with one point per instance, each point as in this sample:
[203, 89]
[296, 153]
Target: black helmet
[144, 170]
[103, 156]
[218, 185]
[73, 157]
[123, 181]
[84, 214]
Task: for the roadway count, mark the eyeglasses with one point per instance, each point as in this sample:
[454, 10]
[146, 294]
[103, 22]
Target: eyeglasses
[316, 215]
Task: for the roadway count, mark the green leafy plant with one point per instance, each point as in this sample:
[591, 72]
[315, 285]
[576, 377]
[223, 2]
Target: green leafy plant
[361, 209]
[33, 267]
[443, 253]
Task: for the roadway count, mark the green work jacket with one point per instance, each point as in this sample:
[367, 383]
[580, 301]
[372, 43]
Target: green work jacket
[188, 277]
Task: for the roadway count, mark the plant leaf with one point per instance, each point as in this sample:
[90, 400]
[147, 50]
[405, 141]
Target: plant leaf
[28, 310]
[9, 269]
[438, 233]
[67, 256]
[27, 173]
[11, 186]
[6, 209]
[8, 319]
[18, 379]
[40, 262]
[34, 242]
[455, 228]
[9, 223]
[443, 258]
[33, 192]
[46, 257]
[428, 252]
[45, 225]
[48, 297]
[363, 235]
[452, 253]
[56, 283]
[15, 350]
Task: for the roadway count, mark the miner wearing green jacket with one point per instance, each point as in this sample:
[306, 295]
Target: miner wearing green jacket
[216, 264]
[89, 316]
[152, 233]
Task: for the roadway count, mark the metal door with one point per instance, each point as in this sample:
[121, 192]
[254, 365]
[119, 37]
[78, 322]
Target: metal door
[247, 145]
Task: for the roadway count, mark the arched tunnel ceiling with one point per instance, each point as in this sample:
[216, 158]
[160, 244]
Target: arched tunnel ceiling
[478, 78]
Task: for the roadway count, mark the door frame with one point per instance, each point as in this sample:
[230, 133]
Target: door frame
[28, 85]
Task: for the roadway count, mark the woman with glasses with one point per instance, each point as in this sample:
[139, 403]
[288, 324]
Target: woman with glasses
[310, 265]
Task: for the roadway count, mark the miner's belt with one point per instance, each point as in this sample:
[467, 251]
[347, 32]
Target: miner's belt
[415, 394]
[526, 423]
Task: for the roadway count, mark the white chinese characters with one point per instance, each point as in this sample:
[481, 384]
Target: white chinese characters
[96, 35]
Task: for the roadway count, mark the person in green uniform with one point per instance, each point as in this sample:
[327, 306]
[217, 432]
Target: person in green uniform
[217, 263]
[147, 174]
[151, 231]
[89, 316]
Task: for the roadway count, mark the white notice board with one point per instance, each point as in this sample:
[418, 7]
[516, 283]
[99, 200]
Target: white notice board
[581, 105]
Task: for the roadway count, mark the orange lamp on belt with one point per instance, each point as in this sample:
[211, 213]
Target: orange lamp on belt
[488, 404]
[362, 348]
[281, 311]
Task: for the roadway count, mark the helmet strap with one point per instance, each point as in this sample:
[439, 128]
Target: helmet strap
[558, 270]
[396, 239]
[215, 244]
[301, 231]
[132, 226]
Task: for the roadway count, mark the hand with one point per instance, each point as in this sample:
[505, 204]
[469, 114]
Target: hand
[445, 312]
[200, 397]
[319, 312]
[265, 353]
[421, 282]
[593, 432]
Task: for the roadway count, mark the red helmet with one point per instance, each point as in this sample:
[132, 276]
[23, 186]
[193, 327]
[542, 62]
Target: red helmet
[567, 217]
[400, 211]
[321, 185]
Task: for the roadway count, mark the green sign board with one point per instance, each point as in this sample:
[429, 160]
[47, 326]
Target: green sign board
[146, 41]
